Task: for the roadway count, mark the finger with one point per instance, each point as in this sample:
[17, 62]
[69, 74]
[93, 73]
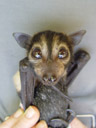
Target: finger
[28, 119]
[41, 124]
[12, 119]
[77, 124]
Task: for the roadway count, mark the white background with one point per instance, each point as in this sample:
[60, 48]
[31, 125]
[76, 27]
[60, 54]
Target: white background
[31, 16]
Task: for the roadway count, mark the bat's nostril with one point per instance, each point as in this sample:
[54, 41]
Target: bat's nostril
[52, 79]
[45, 78]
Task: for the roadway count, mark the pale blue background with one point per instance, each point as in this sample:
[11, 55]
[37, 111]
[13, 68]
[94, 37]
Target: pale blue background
[31, 16]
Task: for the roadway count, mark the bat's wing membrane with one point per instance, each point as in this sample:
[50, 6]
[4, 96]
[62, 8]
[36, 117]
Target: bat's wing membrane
[27, 83]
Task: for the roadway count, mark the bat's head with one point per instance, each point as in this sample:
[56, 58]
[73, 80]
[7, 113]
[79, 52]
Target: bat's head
[50, 53]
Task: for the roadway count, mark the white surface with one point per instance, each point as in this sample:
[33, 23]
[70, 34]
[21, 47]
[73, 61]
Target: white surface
[30, 16]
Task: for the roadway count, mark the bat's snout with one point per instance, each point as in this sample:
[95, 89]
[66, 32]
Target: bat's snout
[49, 79]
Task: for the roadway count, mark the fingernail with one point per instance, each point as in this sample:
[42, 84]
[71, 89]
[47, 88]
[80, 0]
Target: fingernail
[30, 112]
[6, 118]
[42, 124]
[18, 113]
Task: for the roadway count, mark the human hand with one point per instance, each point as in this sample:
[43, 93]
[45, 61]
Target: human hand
[27, 119]
[76, 124]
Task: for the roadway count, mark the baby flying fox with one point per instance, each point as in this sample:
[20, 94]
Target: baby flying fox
[50, 53]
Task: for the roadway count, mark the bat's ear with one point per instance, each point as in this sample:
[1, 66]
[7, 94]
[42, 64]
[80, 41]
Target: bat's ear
[77, 36]
[22, 39]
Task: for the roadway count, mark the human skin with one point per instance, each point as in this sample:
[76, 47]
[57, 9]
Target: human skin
[77, 124]
[29, 119]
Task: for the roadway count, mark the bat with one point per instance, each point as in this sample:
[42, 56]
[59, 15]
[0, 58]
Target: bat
[50, 64]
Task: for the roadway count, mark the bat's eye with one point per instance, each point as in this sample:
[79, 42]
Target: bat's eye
[62, 53]
[37, 53]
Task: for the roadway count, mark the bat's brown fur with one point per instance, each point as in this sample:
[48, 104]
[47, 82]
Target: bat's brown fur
[50, 43]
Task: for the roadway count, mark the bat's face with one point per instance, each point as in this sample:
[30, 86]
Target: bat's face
[50, 53]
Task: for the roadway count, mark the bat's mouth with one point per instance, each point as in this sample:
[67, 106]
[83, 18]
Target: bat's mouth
[49, 83]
